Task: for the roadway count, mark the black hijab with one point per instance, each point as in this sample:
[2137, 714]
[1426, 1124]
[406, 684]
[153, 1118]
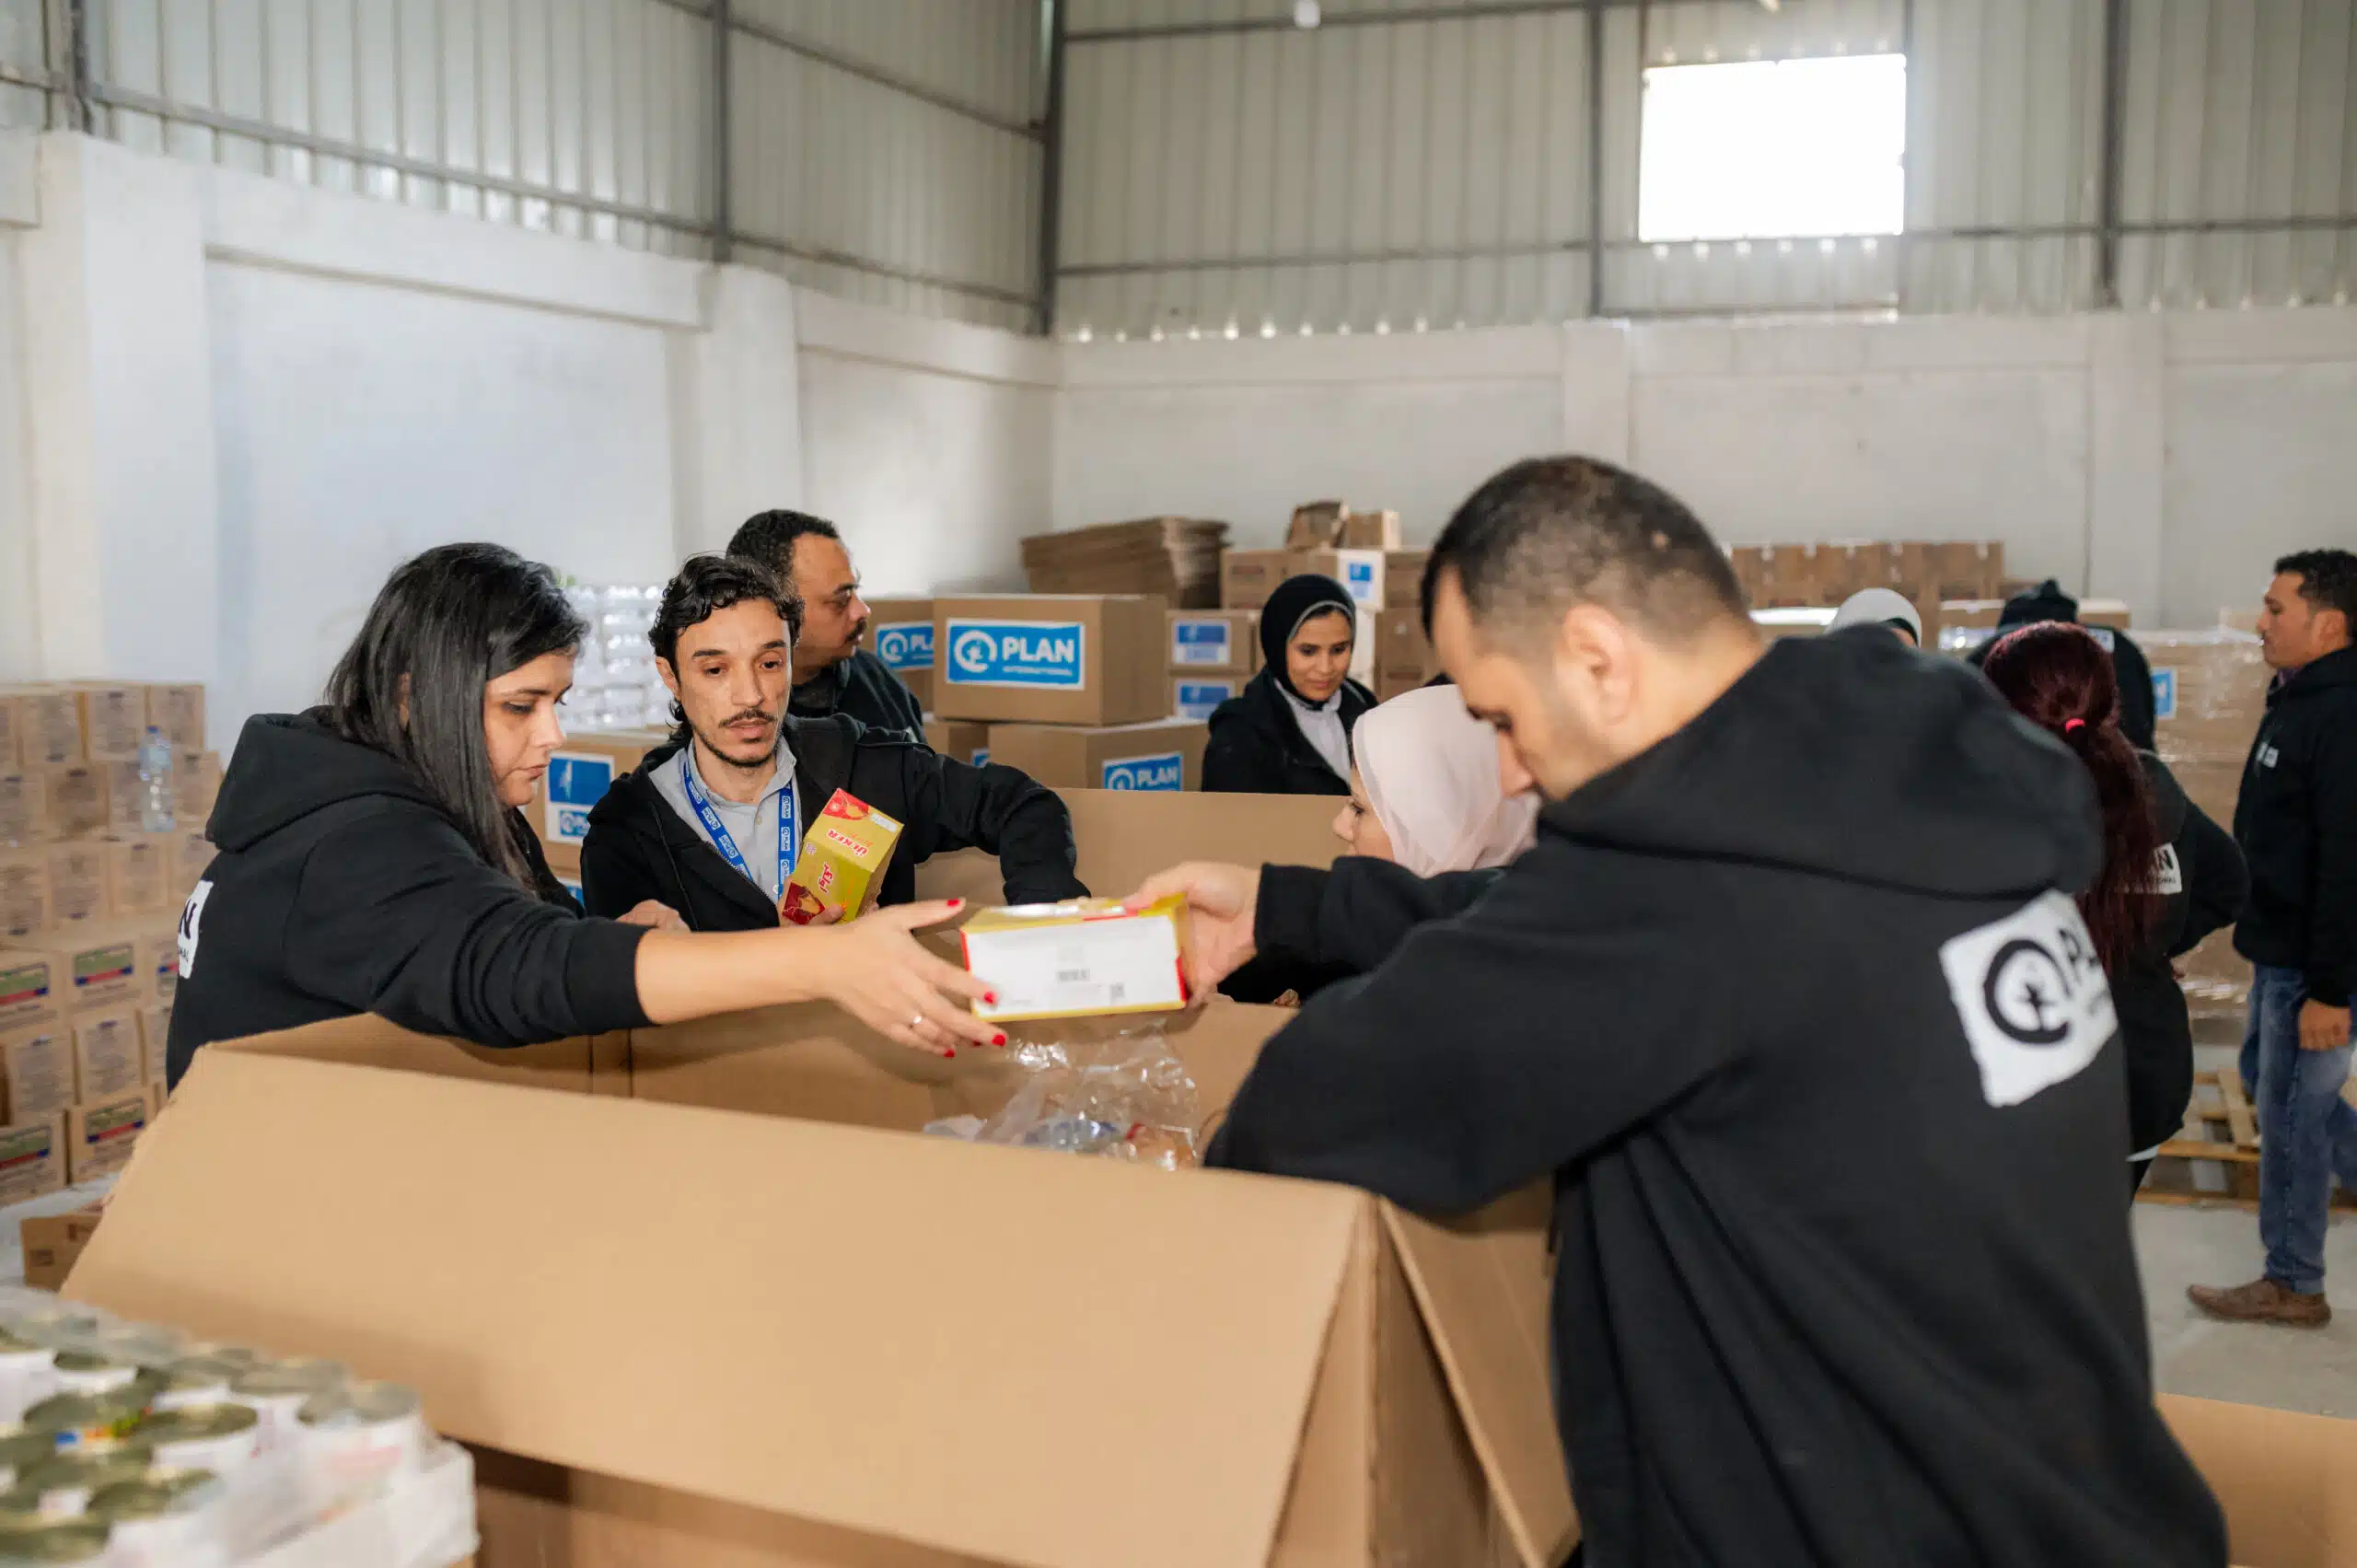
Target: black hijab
[1296, 600]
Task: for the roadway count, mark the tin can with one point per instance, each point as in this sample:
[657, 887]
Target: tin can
[277, 1390]
[142, 1344]
[66, 1481]
[172, 1519]
[218, 1438]
[365, 1435]
[71, 1421]
[56, 1324]
[93, 1372]
[58, 1543]
[193, 1382]
[21, 1451]
[237, 1358]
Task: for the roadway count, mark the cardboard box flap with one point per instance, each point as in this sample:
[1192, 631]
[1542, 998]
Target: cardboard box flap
[1482, 1284]
[2282, 1477]
[1015, 1355]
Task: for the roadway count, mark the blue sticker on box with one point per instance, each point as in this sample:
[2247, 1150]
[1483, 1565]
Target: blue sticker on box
[1201, 699]
[1198, 642]
[905, 645]
[2165, 693]
[1167, 771]
[1359, 577]
[1034, 655]
[981, 756]
[577, 781]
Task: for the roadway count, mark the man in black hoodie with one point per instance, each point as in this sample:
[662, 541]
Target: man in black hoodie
[710, 824]
[832, 674]
[1790, 1005]
[2049, 602]
[2297, 819]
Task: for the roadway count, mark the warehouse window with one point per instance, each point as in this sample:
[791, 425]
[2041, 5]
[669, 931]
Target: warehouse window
[1774, 148]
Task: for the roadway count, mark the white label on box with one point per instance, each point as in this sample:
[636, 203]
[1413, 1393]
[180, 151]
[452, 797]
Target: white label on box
[576, 781]
[1198, 642]
[1095, 966]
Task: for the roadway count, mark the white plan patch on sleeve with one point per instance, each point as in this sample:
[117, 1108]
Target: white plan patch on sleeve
[2168, 874]
[193, 927]
[2032, 997]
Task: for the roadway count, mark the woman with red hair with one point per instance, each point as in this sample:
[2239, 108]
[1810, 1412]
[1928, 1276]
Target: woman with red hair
[2170, 874]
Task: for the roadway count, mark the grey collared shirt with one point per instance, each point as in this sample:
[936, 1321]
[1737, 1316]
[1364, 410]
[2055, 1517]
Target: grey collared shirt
[752, 826]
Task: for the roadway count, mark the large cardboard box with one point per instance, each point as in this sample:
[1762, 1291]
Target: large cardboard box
[155, 1042]
[196, 784]
[1402, 652]
[32, 1164]
[24, 892]
[580, 772]
[24, 806]
[1176, 558]
[38, 1062]
[1362, 572]
[52, 1242]
[1336, 524]
[99, 964]
[1968, 569]
[140, 871]
[76, 799]
[114, 720]
[1247, 577]
[107, 1055]
[178, 711]
[1162, 754]
[963, 741]
[1199, 696]
[48, 726]
[28, 987]
[1214, 642]
[78, 887]
[1050, 658]
[900, 630]
[1294, 1374]
[99, 1136]
[191, 854]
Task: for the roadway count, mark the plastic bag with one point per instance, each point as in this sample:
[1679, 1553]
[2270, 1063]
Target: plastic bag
[1122, 1096]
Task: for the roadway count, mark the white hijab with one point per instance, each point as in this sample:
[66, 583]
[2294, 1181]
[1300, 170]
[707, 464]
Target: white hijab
[1430, 772]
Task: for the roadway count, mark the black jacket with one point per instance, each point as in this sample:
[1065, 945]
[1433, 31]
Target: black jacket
[2297, 819]
[2201, 884]
[639, 847]
[1824, 1072]
[2049, 602]
[342, 889]
[863, 687]
[1257, 747]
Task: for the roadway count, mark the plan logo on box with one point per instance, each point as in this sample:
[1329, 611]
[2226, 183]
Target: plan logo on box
[1359, 577]
[905, 644]
[2031, 995]
[577, 781]
[1167, 771]
[2165, 693]
[1041, 655]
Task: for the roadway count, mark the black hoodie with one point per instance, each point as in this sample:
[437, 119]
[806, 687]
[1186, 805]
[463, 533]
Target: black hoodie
[2049, 602]
[1257, 747]
[341, 887]
[2297, 819]
[1823, 1069]
[639, 847]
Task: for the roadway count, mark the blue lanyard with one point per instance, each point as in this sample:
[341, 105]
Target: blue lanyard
[718, 831]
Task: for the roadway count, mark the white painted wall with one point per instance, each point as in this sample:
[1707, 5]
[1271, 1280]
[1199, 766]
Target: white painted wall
[2161, 459]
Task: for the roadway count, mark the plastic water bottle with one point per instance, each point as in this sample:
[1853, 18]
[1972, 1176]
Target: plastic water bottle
[156, 795]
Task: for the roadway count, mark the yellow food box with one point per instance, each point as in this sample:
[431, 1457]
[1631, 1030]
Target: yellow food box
[1079, 959]
[843, 862]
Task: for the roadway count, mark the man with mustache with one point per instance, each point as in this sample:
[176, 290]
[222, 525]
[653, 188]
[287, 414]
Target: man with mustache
[832, 674]
[715, 819]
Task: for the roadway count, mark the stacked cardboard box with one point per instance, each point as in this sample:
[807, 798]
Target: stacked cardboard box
[1335, 525]
[580, 772]
[2209, 694]
[85, 1017]
[1403, 655]
[1966, 623]
[900, 631]
[1178, 558]
[1213, 654]
[1823, 574]
[1072, 689]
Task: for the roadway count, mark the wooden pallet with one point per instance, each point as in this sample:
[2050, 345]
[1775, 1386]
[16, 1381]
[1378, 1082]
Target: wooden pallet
[2214, 1157]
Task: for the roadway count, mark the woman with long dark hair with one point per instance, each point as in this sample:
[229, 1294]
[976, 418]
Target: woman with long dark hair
[2170, 874]
[373, 858]
[1288, 732]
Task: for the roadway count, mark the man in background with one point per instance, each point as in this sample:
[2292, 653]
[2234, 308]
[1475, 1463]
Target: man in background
[832, 674]
[2049, 602]
[2297, 820]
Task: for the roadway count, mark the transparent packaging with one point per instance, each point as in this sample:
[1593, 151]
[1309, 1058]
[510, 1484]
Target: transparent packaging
[1121, 1092]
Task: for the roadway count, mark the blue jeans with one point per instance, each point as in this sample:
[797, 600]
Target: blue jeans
[2308, 1135]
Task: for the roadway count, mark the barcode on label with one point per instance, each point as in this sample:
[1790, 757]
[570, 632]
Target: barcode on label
[1072, 977]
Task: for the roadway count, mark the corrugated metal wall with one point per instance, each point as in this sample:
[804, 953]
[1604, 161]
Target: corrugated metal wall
[889, 150]
[1402, 163]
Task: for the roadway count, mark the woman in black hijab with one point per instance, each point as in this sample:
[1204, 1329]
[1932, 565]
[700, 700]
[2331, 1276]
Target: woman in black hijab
[1289, 731]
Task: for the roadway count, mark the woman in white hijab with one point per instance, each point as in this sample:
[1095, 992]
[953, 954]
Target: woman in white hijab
[1426, 792]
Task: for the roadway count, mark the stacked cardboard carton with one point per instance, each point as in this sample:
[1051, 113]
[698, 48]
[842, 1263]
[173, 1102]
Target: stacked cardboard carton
[580, 772]
[1177, 558]
[1070, 688]
[1360, 550]
[89, 915]
[900, 631]
[1800, 576]
[1213, 654]
[1966, 623]
[2209, 694]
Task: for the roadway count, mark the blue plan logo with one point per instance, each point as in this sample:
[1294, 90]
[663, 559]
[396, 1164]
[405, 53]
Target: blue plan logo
[905, 644]
[1167, 771]
[577, 781]
[2165, 693]
[1037, 654]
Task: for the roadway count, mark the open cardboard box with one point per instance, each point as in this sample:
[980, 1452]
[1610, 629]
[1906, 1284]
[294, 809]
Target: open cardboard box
[701, 1300]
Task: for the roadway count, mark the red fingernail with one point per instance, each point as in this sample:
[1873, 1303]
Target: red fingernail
[998, 1040]
[956, 903]
[949, 1050]
[991, 997]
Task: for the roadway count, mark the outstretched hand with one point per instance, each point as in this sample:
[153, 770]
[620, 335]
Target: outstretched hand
[1222, 902]
[877, 970]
